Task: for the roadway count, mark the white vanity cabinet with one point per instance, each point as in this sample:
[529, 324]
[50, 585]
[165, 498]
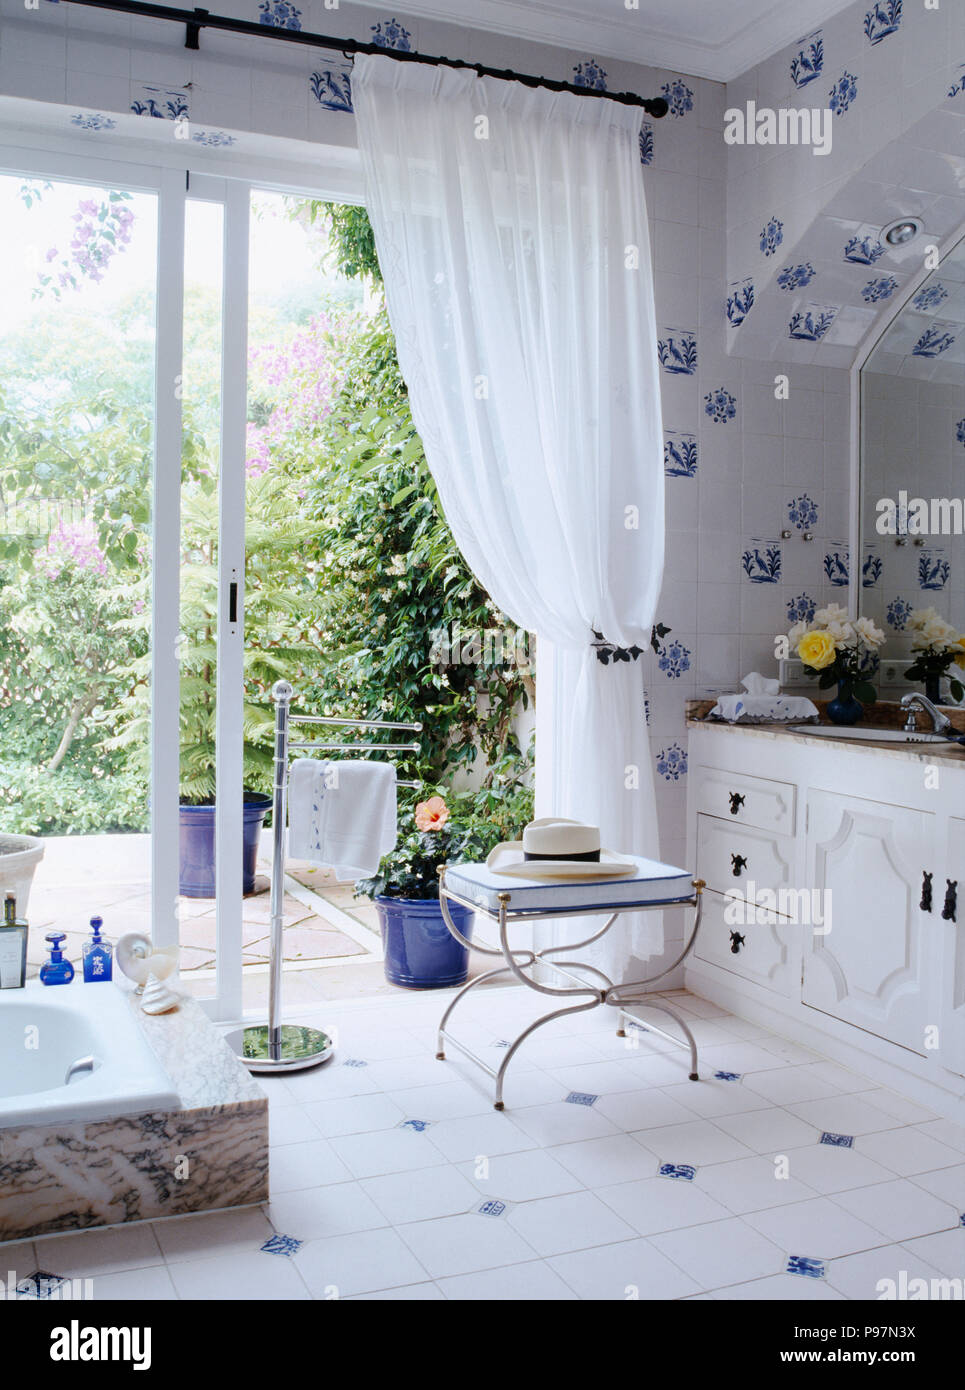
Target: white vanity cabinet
[861, 851]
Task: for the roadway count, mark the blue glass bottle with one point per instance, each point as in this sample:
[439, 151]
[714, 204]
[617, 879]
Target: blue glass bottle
[56, 971]
[98, 963]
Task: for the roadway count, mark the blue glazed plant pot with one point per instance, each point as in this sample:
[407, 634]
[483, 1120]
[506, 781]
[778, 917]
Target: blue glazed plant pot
[420, 951]
[196, 842]
[842, 711]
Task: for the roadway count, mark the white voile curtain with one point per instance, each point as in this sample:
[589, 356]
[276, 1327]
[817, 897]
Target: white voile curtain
[511, 229]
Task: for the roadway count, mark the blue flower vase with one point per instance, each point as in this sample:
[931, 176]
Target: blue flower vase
[844, 711]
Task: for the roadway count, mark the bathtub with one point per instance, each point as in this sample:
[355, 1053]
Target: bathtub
[43, 1029]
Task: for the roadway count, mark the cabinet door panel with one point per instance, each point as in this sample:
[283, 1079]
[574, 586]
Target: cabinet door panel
[951, 956]
[867, 969]
[739, 859]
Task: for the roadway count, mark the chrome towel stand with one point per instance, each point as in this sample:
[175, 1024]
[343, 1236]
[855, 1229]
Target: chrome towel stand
[274, 1047]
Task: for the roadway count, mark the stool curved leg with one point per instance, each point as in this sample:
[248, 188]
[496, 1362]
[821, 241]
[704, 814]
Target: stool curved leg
[488, 975]
[527, 1032]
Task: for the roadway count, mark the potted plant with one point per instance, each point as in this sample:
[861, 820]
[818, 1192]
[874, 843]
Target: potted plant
[420, 951]
[937, 645]
[839, 650]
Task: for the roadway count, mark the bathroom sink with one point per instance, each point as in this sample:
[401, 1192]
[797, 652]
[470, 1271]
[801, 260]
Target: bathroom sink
[867, 734]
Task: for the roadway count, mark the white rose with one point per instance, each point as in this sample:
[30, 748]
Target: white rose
[871, 636]
[833, 613]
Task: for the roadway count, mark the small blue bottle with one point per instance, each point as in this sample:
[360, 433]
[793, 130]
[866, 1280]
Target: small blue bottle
[56, 971]
[98, 962]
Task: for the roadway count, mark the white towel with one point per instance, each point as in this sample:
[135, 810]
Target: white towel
[342, 814]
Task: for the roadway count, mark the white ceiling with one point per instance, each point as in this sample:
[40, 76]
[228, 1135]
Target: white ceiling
[707, 38]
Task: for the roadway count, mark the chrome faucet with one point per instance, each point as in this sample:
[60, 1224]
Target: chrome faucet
[939, 723]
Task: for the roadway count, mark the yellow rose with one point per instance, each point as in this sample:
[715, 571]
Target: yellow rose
[817, 650]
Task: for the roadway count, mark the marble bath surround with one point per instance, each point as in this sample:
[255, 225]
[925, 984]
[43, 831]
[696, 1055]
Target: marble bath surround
[210, 1153]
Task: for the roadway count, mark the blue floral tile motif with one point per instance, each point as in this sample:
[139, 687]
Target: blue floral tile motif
[672, 763]
[416, 1126]
[684, 1171]
[720, 405]
[727, 1076]
[961, 1219]
[843, 93]
[677, 351]
[332, 90]
[279, 14]
[354, 1062]
[870, 571]
[897, 613]
[802, 512]
[807, 1265]
[808, 60]
[680, 455]
[491, 1207]
[92, 120]
[772, 234]
[675, 660]
[960, 432]
[863, 250]
[391, 34]
[740, 303]
[801, 609]
[590, 74]
[762, 564]
[646, 143]
[213, 139]
[282, 1245]
[876, 290]
[679, 97]
[929, 298]
[813, 324]
[883, 20]
[933, 342]
[933, 570]
[795, 277]
[581, 1098]
[837, 1141]
[40, 1284]
[164, 104]
[836, 566]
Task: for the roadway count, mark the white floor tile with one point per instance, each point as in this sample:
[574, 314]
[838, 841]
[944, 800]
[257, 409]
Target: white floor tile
[947, 1183]
[495, 1133]
[99, 1252]
[768, 1131]
[787, 1085]
[153, 1284]
[845, 1115]
[662, 1204]
[450, 1101]
[597, 1078]
[909, 1112]
[900, 1209]
[743, 1057]
[248, 1277]
[721, 1252]
[842, 1078]
[290, 1125]
[575, 1221]
[790, 1288]
[329, 1082]
[946, 1251]
[696, 1142]
[462, 1244]
[184, 1238]
[521, 1177]
[827, 1168]
[405, 1197]
[634, 1269]
[646, 1108]
[295, 1166]
[562, 1123]
[325, 1211]
[408, 1073]
[817, 1228]
[523, 1282]
[711, 1098]
[354, 1115]
[387, 1151]
[751, 1184]
[602, 1162]
[405, 1293]
[361, 1263]
[945, 1132]
[907, 1151]
[862, 1276]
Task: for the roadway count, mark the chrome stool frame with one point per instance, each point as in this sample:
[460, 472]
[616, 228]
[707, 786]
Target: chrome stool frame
[518, 961]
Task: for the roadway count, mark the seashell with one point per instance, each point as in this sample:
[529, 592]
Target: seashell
[158, 999]
[137, 958]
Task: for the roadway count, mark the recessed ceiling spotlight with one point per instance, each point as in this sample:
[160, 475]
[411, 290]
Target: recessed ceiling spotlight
[902, 230]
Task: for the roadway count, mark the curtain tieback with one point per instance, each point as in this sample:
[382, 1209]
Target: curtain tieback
[608, 651]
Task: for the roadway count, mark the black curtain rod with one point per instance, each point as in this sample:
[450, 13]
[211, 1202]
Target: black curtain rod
[196, 20]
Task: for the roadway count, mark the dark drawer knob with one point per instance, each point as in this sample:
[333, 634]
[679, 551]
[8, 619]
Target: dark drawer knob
[736, 802]
[736, 942]
[951, 900]
[925, 903]
[738, 862]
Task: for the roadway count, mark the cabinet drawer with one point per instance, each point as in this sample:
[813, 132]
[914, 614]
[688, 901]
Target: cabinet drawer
[756, 950]
[741, 859]
[746, 800]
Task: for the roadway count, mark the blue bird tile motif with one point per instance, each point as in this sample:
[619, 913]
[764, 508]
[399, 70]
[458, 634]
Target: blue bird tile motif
[674, 660]
[772, 234]
[590, 74]
[807, 1265]
[672, 763]
[801, 609]
[391, 34]
[863, 250]
[684, 1171]
[163, 104]
[960, 432]
[933, 570]
[795, 277]
[581, 1098]
[870, 571]
[876, 290]
[811, 325]
[93, 120]
[929, 298]
[646, 143]
[808, 60]
[883, 20]
[739, 303]
[720, 406]
[837, 1141]
[727, 1076]
[279, 14]
[933, 342]
[843, 93]
[762, 563]
[802, 512]
[836, 568]
[679, 97]
[332, 90]
[415, 1126]
[41, 1284]
[354, 1062]
[677, 351]
[282, 1245]
[680, 455]
[898, 613]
